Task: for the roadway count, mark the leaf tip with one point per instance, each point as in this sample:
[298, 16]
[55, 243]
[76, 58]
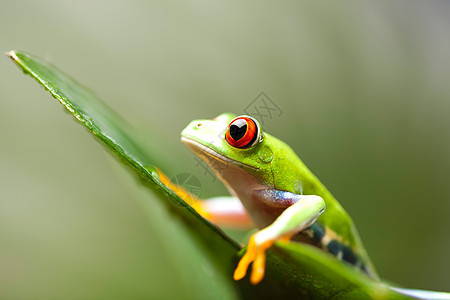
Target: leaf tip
[12, 54]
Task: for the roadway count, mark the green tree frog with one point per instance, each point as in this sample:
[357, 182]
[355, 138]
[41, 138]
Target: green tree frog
[274, 190]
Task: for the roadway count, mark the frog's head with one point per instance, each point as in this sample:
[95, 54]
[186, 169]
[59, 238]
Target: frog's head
[229, 141]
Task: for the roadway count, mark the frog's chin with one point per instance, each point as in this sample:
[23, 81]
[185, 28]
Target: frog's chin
[213, 158]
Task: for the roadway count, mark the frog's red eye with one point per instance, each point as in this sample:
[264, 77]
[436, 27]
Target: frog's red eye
[243, 132]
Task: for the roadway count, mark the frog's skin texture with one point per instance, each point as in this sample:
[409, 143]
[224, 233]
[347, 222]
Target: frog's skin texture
[277, 192]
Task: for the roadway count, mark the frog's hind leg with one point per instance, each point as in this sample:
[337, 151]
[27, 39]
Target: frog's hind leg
[224, 211]
[300, 215]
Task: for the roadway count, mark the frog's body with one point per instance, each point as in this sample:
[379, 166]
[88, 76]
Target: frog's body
[279, 193]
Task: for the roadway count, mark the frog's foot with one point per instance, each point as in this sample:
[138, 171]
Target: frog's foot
[295, 218]
[256, 253]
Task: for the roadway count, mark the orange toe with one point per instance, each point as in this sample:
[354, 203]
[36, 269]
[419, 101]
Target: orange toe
[259, 264]
[257, 255]
[258, 268]
[286, 238]
[245, 261]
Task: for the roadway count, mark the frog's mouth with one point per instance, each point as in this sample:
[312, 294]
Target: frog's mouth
[213, 158]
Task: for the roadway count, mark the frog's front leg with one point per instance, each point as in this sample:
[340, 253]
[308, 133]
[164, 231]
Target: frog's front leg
[303, 212]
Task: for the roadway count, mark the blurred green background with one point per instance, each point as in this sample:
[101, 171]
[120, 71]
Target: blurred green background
[363, 86]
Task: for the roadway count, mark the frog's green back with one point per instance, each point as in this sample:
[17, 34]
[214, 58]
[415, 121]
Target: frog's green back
[291, 174]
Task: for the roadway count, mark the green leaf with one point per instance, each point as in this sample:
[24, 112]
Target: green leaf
[293, 270]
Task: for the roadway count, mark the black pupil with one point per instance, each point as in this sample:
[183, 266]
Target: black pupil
[238, 129]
